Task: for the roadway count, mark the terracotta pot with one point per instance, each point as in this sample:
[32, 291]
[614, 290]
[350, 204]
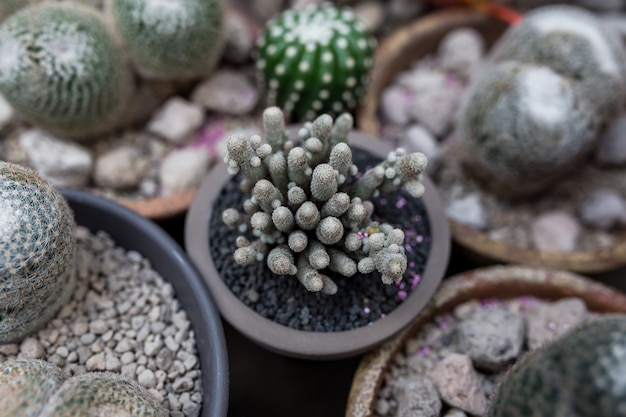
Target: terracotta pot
[133, 232]
[305, 344]
[395, 54]
[500, 282]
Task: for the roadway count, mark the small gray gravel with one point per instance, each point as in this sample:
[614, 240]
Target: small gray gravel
[123, 318]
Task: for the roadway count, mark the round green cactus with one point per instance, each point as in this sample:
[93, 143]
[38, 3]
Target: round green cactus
[173, 40]
[37, 250]
[39, 389]
[579, 375]
[315, 60]
[525, 124]
[61, 69]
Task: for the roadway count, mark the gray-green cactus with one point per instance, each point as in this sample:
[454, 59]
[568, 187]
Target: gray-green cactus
[61, 69]
[36, 388]
[579, 375]
[535, 113]
[37, 250]
[315, 60]
[172, 40]
[302, 212]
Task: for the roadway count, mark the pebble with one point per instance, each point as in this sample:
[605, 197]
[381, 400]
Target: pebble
[371, 13]
[183, 169]
[176, 120]
[62, 162]
[96, 363]
[121, 168]
[394, 104]
[604, 208]
[611, 148]
[468, 210]
[418, 397]
[31, 348]
[458, 383]
[492, 337]
[547, 321]
[147, 378]
[227, 91]
[152, 345]
[461, 52]
[555, 231]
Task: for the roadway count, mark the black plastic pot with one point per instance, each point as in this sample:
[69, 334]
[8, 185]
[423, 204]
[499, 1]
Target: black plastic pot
[134, 232]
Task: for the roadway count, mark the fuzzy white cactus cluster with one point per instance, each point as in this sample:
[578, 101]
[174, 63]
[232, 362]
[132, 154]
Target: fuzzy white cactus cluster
[305, 215]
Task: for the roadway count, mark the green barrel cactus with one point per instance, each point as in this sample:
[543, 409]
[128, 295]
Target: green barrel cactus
[37, 250]
[315, 60]
[303, 215]
[61, 69]
[579, 375]
[172, 40]
[36, 388]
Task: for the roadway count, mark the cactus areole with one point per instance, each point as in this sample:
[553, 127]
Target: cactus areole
[37, 249]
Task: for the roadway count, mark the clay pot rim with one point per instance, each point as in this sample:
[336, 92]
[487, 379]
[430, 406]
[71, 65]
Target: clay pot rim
[131, 231]
[394, 54]
[495, 282]
[303, 344]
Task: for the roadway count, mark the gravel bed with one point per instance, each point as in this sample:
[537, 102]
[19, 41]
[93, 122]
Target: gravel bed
[359, 301]
[122, 318]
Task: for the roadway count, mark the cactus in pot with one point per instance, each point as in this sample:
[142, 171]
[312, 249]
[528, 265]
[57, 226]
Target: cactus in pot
[37, 250]
[39, 389]
[580, 374]
[315, 60]
[170, 40]
[61, 69]
[305, 216]
[535, 113]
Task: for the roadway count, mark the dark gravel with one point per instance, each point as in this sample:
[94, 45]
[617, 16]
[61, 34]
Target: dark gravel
[360, 299]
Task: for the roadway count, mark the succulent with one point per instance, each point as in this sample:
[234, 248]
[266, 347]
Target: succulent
[39, 389]
[580, 374]
[304, 212]
[61, 69]
[37, 250]
[315, 60]
[171, 39]
[552, 82]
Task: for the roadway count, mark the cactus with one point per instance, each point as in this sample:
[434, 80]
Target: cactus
[37, 250]
[315, 60]
[174, 40]
[305, 214]
[536, 112]
[61, 69]
[39, 389]
[580, 374]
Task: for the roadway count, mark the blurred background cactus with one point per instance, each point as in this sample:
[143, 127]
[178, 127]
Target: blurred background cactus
[553, 81]
[39, 389]
[315, 60]
[62, 70]
[170, 40]
[305, 214]
[578, 375]
[37, 250]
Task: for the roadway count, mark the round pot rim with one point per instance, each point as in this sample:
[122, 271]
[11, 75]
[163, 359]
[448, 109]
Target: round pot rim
[304, 344]
[135, 232]
[494, 282]
[393, 55]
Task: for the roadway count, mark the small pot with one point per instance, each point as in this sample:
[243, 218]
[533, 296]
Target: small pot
[133, 232]
[308, 344]
[395, 54]
[500, 282]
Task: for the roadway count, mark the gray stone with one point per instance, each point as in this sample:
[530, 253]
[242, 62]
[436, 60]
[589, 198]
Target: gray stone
[455, 412]
[418, 397]
[176, 120]
[555, 231]
[611, 148]
[62, 162]
[492, 337]
[121, 168]
[394, 104]
[371, 13]
[547, 321]
[31, 348]
[461, 52]
[147, 378]
[113, 363]
[227, 91]
[182, 384]
[124, 345]
[468, 210]
[96, 362]
[152, 345]
[458, 384]
[183, 169]
[604, 208]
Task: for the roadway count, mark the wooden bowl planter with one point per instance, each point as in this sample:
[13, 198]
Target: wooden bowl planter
[499, 282]
[394, 55]
[303, 343]
[133, 232]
